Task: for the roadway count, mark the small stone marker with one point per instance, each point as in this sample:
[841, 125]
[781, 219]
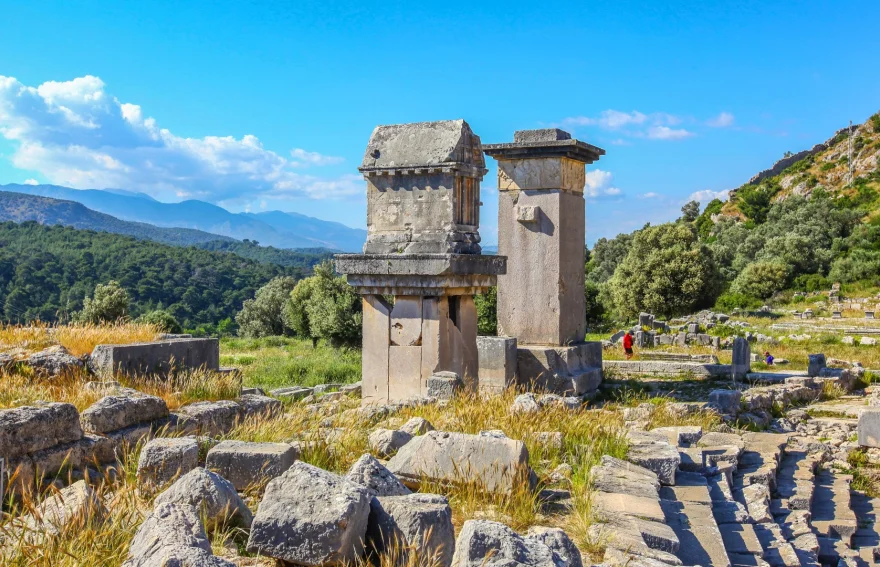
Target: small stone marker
[869, 314]
[869, 428]
[741, 362]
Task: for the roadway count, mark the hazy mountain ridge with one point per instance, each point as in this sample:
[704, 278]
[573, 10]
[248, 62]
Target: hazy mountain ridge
[273, 228]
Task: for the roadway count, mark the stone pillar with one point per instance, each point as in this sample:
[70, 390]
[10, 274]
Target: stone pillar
[741, 361]
[423, 197]
[541, 228]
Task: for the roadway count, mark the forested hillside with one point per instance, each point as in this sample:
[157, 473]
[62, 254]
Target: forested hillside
[46, 271]
[804, 224]
[299, 258]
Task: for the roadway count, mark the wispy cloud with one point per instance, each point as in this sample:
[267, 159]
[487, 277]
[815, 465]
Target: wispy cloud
[76, 133]
[650, 195]
[654, 126]
[723, 120]
[31, 181]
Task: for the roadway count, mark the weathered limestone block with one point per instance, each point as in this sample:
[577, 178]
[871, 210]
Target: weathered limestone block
[726, 402]
[628, 504]
[255, 405]
[558, 541]
[164, 459]
[681, 435]
[421, 521]
[443, 385]
[816, 362]
[160, 357]
[661, 458]
[386, 442]
[210, 418]
[298, 523]
[617, 476]
[247, 464]
[54, 361]
[482, 543]
[741, 361]
[111, 413]
[417, 426]
[211, 494]
[573, 370]
[370, 473]
[172, 535]
[31, 428]
[869, 428]
[498, 363]
[525, 403]
[442, 456]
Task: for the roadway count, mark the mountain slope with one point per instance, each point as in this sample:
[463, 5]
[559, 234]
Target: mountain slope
[18, 207]
[291, 231]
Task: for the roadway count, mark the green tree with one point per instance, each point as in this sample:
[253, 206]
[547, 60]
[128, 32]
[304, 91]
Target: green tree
[324, 306]
[761, 279]
[667, 271]
[605, 257]
[264, 315]
[690, 211]
[162, 319]
[487, 312]
[109, 304]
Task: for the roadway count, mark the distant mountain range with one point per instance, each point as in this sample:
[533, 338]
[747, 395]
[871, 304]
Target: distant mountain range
[198, 218]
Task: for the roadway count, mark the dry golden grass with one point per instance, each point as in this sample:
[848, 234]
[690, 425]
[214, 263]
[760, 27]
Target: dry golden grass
[79, 339]
[20, 387]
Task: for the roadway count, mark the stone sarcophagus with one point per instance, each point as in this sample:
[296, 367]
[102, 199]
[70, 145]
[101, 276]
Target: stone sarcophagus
[421, 264]
[423, 188]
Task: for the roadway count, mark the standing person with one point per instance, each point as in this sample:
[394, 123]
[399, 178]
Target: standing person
[628, 344]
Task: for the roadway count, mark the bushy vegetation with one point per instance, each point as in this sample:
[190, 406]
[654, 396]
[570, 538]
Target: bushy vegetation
[46, 272]
[109, 303]
[265, 314]
[324, 306]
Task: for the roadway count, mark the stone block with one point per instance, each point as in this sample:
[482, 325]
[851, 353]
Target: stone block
[111, 413]
[210, 418]
[374, 348]
[483, 543]
[386, 442]
[373, 475]
[297, 522]
[869, 428]
[496, 463]
[628, 504]
[497, 363]
[211, 494]
[726, 402]
[443, 385]
[618, 476]
[816, 362]
[246, 464]
[559, 542]
[160, 357]
[661, 458]
[404, 372]
[741, 361]
[573, 370]
[418, 521]
[256, 405]
[27, 429]
[164, 459]
[172, 534]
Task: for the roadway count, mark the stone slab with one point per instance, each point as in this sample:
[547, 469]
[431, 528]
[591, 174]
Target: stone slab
[160, 357]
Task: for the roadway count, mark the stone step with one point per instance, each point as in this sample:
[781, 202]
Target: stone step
[832, 515]
[741, 541]
[866, 510]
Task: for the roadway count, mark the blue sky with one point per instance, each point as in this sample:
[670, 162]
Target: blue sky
[269, 105]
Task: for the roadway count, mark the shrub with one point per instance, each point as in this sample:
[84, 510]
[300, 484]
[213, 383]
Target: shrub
[666, 271]
[108, 304]
[761, 279]
[264, 315]
[727, 302]
[162, 320]
[324, 306]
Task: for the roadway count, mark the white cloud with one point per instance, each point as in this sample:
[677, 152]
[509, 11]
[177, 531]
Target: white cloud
[723, 120]
[599, 184]
[707, 195]
[667, 133]
[75, 133]
[651, 195]
[655, 126]
[31, 181]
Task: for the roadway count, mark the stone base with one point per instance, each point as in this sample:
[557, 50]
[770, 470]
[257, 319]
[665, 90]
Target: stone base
[497, 364]
[565, 370]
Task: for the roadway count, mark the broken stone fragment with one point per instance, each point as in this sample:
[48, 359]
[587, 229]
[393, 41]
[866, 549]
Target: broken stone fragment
[164, 459]
[386, 442]
[246, 464]
[209, 493]
[373, 475]
[309, 516]
[416, 521]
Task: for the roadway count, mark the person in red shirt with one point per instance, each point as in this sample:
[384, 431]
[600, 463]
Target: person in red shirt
[628, 344]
